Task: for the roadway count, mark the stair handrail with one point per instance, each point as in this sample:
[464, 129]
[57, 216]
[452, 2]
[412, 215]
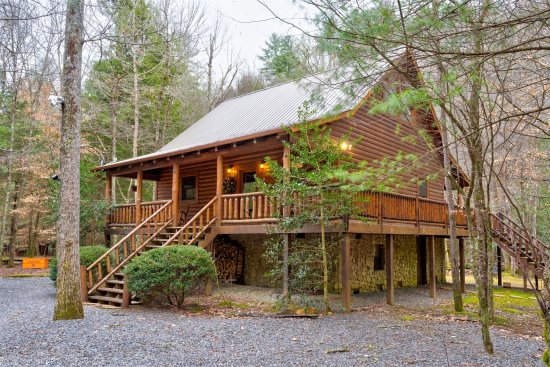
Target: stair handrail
[193, 219]
[114, 248]
[539, 250]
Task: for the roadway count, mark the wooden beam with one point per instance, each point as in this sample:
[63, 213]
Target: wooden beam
[125, 293]
[175, 193]
[109, 203]
[462, 264]
[139, 195]
[346, 266]
[286, 166]
[219, 189]
[431, 266]
[390, 297]
[499, 266]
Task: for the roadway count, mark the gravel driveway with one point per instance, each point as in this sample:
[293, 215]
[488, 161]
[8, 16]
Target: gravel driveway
[140, 337]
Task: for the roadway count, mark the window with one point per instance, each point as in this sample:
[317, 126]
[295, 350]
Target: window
[189, 188]
[379, 257]
[423, 189]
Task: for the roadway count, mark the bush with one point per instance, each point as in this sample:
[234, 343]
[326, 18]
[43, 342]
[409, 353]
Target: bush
[168, 274]
[88, 254]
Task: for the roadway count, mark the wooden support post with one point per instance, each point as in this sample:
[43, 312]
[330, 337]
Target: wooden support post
[83, 283]
[431, 267]
[346, 265]
[175, 194]
[499, 267]
[536, 283]
[219, 189]
[524, 272]
[286, 166]
[286, 243]
[389, 270]
[108, 201]
[462, 265]
[139, 195]
[125, 293]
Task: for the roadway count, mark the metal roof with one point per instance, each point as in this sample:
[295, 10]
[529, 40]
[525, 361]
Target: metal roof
[327, 94]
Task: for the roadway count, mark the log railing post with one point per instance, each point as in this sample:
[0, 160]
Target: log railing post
[83, 283]
[175, 194]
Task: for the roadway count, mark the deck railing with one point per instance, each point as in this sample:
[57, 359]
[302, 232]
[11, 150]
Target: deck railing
[125, 214]
[256, 207]
[251, 207]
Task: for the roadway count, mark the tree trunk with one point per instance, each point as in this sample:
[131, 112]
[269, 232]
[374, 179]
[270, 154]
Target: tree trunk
[13, 226]
[68, 303]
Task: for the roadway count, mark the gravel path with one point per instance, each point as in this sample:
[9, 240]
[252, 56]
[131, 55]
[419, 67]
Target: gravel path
[141, 337]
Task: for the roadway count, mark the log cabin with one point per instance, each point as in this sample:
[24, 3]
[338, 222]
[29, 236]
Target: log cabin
[205, 194]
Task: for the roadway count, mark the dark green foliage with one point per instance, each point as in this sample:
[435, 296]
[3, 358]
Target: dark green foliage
[168, 274]
[88, 254]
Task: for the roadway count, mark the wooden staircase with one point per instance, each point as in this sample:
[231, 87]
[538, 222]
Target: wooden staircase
[530, 253]
[104, 283]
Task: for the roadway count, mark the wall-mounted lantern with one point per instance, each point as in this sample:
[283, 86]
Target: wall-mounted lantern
[231, 171]
[345, 146]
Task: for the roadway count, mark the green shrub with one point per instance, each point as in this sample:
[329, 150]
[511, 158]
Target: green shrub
[88, 254]
[168, 274]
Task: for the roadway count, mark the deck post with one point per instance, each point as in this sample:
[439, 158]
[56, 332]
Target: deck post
[175, 194]
[139, 195]
[499, 266]
[109, 202]
[390, 294]
[346, 285]
[219, 189]
[431, 266]
[125, 293]
[286, 236]
[462, 265]
[83, 283]
[286, 242]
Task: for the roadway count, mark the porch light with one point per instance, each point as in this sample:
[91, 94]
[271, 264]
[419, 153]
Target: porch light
[263, 165]
[345, 146]
[231, 170]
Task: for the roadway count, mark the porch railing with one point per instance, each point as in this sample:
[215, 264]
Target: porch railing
[257, 207]
[125, 214]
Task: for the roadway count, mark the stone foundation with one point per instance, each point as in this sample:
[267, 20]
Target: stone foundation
[363, 277]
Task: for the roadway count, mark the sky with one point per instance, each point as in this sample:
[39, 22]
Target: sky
[249, 23]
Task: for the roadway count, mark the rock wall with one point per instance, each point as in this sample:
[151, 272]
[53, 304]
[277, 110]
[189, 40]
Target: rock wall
[363, 276]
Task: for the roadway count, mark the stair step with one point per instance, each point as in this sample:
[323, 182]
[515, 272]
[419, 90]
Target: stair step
[111, 290]
[114, 281]
[106, 299]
